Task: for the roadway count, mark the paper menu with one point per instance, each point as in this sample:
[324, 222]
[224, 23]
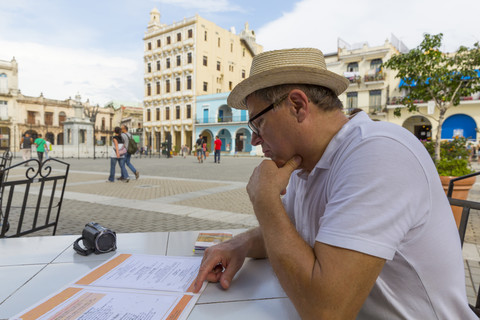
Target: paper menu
[126, 287]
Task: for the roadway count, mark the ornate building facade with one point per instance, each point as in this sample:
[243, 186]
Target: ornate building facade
[184, 60]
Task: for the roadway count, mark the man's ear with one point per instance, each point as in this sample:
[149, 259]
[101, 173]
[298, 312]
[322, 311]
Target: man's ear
[300, 104]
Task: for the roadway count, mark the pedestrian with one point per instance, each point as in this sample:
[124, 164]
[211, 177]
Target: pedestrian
[48, 147]
[199, 148]
[126, 136]
[218, 149]
[26, 146]
[204, 148]
[117, 155]
[40, 144]
[351, 211]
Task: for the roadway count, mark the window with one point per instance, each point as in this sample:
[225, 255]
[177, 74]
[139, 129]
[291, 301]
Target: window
[4, 110]
[3, 83]
[190, 33]
[49, 118]
[158, 65]
[230, 85]
[230, 68]
[218, 42]
[352, 67]
[169, 40]
[158, 87]
[205, 36]
[352, 100]
[157, 114]
[62, 117]
[149, 46]
[167, 87]
[167, 113]
[168, 63]
[177, 86]
[375, 98]
[149, 117]
[149, 67]
[375, 64]
[218, 65]
[179, 60]
[243, 52]
[30, 117]
[231, 47]
[149, 89]
[179, 36]
[205, 60]
[82, 135]
[243, 74]
[189, 111]
[189, 82]
[205, 86]
[159, 43]
[177, 112]
[189, 57]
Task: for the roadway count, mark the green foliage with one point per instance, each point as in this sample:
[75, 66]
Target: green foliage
[453, 157]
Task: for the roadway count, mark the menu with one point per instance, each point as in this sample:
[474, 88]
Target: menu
[134, 287]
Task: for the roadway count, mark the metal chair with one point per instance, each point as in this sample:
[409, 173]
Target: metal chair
[467, 206]
[31, 198]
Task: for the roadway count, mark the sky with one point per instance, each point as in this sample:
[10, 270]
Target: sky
[95, 48]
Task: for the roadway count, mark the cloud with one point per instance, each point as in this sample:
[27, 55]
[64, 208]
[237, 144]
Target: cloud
[60, 73]
[205, 5]
[319, 24]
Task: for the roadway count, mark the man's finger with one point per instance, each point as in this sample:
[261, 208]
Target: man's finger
[293, 163]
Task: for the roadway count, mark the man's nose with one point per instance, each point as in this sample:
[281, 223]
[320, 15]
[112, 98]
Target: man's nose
[256, 139]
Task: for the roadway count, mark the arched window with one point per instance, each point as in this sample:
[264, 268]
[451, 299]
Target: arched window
[352, 67]
[3, 83]
[375, 64]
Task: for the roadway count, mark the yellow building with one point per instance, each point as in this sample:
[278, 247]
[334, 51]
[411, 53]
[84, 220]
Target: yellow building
[39, 115]
[375, 90]
[183, 60]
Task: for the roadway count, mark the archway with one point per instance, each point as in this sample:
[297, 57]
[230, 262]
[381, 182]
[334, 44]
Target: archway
[208, 138]
[226, 138]
[50, 137]
[224, 113]
[420, 126]
[4, 138]
[243, 139]
[60, 138]
[460, 125]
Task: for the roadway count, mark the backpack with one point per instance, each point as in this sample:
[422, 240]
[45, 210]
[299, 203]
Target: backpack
[132, 145]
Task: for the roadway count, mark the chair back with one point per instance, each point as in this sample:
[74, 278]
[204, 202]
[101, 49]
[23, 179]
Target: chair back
[31, 196]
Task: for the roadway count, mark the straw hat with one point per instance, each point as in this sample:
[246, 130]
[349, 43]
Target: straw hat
[289, 66]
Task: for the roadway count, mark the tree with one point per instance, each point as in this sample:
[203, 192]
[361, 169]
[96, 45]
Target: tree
[91, 113]
[429, 74]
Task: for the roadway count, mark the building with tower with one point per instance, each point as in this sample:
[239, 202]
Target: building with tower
[184, 60]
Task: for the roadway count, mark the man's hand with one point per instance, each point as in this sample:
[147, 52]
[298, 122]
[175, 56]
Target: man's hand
[220, 263]
[269, 180]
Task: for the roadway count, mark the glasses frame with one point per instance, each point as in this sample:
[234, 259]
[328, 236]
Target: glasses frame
[252, 126]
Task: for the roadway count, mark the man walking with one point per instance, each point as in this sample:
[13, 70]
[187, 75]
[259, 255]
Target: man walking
[218, 148]
[26, 146]
[40, 143]
[126, 140]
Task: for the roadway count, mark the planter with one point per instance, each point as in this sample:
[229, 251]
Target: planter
[460, 191]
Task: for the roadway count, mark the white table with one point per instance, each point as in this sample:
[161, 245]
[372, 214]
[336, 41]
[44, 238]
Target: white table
[33, 268]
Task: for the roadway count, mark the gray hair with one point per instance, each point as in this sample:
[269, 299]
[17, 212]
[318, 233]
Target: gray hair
[322, 97]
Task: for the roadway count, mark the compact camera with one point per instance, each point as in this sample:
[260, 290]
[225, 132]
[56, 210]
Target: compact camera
[96, 239]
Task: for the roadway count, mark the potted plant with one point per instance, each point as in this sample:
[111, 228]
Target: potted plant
[453, 163]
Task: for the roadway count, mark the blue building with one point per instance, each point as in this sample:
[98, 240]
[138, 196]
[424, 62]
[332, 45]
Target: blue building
[215, 118]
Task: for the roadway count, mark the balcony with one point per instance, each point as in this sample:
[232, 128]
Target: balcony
[353, 77]
[225, 119]
[376, 110]
[374, 76]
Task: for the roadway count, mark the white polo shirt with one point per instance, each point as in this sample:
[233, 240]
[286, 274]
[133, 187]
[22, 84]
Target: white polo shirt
[376, 190]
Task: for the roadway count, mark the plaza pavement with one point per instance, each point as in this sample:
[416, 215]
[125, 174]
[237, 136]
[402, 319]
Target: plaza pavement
[179, 194]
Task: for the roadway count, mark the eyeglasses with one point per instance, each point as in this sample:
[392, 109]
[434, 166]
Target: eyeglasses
[253, 126]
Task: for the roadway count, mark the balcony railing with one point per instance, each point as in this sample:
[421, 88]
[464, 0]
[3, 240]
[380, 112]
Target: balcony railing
[377, 76]
[353, 76]
[200, 120]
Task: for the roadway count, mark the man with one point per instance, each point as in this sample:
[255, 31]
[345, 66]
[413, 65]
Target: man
[218, 148]
[126, 136]
[364, 229]
[199, 148]
[26, 146]
[40, 144]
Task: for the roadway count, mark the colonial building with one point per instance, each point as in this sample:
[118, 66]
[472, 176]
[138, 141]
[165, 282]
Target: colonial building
[183, 60]
[40, 115]
[129, 114]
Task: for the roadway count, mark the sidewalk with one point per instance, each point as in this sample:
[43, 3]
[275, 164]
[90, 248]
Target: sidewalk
[180, 194]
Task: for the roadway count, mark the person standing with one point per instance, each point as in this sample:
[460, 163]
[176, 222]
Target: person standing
[126, 136]
[26, 146]
[117, 157]
[40, 143]
[47, 148]
[218, 148]
[199, 145]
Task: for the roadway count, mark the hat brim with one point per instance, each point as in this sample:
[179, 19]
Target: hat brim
[286, 75]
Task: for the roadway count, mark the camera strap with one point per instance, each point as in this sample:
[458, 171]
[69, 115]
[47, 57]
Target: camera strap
[80, 250]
